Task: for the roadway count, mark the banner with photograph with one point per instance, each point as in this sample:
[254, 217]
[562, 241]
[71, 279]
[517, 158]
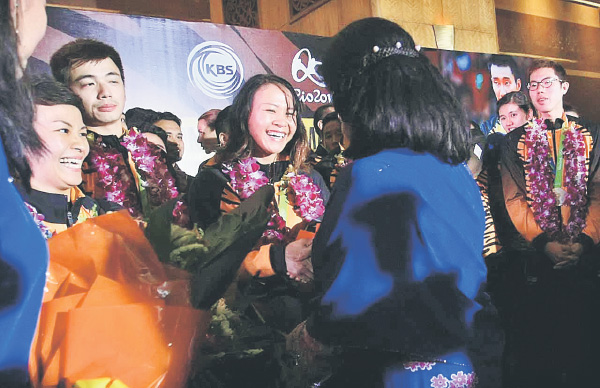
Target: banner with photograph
[188, 68]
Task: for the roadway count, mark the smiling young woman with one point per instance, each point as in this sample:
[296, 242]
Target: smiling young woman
[267, 145]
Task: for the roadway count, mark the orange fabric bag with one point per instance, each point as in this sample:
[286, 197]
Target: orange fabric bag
[111, 309]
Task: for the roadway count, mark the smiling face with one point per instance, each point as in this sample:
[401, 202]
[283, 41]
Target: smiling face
[512, 116]
[548, 101]
[101, 89]
[272, 121]
[63, 133]
[503, 81]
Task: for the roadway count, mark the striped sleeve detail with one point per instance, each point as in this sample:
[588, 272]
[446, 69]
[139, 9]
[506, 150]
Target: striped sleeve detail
[229, 200]
[491, 243]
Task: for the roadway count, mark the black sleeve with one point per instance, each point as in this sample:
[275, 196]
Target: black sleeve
[204, 196]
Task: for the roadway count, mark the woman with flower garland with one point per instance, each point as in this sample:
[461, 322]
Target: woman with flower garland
[54, 200]
[397, 259]
[267, 146]
[551, 190]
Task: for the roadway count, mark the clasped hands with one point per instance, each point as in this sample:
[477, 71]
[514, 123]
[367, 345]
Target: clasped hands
[297, 260]
[563, 255]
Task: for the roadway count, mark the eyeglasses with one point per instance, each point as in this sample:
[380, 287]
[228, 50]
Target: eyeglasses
[546, 83]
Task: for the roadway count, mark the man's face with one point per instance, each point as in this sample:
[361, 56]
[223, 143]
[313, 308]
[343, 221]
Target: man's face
[325, 112]
[332, 136]
[101, 89]
[547, 100]
[503, 81]
[174, 134]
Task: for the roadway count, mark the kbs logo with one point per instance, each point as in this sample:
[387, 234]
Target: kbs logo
[214, 68]
[307, 71]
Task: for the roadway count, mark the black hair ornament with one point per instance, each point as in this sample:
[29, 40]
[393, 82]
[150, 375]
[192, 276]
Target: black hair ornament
[380, 53]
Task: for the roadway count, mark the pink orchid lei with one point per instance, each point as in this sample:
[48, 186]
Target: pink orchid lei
[305, 196]
[541, 177]
[114, 179]
[151, 164]
[39, 221]
[181, 215]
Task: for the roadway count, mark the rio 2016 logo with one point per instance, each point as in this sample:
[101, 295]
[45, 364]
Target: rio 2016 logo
[214, 68]
[308, 71]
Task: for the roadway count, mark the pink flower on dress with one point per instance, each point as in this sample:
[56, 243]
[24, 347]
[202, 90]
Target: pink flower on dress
[439, 381]
[470, 379]
[415, 366]
[459, 380]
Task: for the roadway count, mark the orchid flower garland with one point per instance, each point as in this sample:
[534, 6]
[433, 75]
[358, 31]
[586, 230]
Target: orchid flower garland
[151, 165]
[541, 177]
[114, 179]
[39, 221]
[304, 195]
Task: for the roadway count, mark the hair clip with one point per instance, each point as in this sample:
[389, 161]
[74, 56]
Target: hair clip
[379, 53]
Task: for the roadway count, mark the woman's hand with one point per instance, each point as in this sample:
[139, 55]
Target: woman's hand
[297, 260]
[563, 255]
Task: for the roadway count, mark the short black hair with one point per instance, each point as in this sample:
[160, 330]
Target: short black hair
[78, 52]
[221, 123]
[49, 92]
[518, 98]
[505, 61]
[559, 70]
[391, 95]
[330, 117]
[138, 117]
[150, 128]
[169, 117]
[318, 116]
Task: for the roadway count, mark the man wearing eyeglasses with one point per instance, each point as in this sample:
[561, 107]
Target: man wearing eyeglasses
[555, 206]
[547, 86]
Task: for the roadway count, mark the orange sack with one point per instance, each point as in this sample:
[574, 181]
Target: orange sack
[112, 310]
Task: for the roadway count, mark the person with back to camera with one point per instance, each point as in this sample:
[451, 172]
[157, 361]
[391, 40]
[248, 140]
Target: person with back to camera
[23, 252]
[397, 260]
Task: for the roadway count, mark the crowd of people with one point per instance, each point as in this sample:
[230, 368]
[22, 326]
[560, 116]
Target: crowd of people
[405, 251]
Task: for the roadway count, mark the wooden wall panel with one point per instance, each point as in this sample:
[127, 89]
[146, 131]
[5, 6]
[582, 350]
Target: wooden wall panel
[410, 11]
[545, 37]
[561, 31]
[474, 21]
[553, 9]
[326, 20]
[192, 10]
[216, 12]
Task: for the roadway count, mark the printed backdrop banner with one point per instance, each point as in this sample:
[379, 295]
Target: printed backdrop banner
[188, 68]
